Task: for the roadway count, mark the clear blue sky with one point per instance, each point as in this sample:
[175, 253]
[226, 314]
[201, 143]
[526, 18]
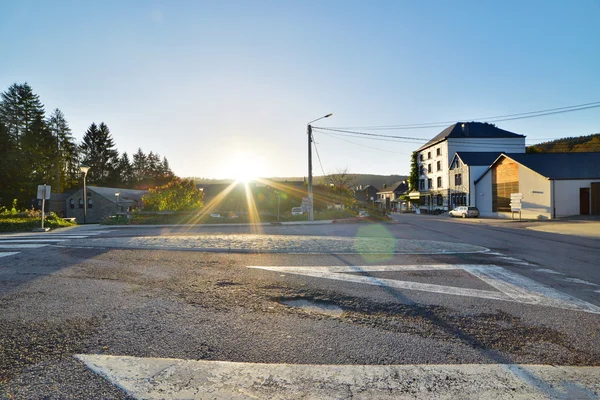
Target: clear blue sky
[210, 83]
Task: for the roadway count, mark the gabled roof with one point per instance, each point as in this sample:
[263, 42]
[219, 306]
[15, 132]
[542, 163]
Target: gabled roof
[478, 130]
[124, 194]
[400, 186]
[557, 165]
[475, 158]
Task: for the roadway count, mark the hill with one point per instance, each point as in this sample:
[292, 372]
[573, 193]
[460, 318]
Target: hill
[589, 143]
[358, 179]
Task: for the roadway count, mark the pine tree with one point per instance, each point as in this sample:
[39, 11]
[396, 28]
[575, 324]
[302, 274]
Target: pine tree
[65, 150]
[98, 153]
[140, 167]
[19, 109]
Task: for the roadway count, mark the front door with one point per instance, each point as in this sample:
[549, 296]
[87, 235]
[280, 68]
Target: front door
[584, 201]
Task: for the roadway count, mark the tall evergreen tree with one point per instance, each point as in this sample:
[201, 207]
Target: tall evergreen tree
[19, 109]
[98, 153]
[65, 150]
[140, 167]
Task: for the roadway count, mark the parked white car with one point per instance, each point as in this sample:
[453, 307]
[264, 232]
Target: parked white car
[464, 212]
[297, 211]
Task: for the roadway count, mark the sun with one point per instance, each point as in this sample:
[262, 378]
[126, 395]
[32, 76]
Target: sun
[245, 166]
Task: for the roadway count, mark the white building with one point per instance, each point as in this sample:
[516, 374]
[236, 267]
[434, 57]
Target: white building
[434, 157]
[465, 168]
[553, 185]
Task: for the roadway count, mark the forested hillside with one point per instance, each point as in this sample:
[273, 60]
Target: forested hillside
[578, 144]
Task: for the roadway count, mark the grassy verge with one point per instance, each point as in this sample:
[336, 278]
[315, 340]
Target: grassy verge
[12, 223]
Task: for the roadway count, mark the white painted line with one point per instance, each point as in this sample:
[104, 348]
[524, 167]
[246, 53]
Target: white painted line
[511, 286]
[22, 246]
[170, 378]
[30, 240]
[581, 281]
[8, 253]
[549, 271]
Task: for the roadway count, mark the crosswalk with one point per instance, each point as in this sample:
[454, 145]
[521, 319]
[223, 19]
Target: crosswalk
[13, 242]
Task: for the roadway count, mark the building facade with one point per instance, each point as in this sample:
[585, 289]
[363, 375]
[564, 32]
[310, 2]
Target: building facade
[433, 159]
[102, 202]
[552, 185]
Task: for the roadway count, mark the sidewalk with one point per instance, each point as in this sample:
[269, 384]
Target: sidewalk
[589, 229]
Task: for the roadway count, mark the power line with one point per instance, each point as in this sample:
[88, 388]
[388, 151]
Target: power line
[368, 134]
[498, 118]
[362, 145]
[318, 156]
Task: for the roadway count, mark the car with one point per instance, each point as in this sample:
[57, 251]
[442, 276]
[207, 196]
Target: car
[363, 214]
[464, 211]
[215, 215]
[297, 211]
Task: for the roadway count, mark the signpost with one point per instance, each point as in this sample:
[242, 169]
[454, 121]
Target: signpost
[515, 204]
[43, 193]
[306, 205]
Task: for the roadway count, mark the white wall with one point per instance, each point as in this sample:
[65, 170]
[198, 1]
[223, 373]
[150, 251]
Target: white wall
[537, 194]
[567, 196]
[474, 174]
[506, 145]
[484, 202]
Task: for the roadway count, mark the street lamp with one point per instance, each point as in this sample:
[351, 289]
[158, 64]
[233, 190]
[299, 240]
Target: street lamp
[84, 169]
[117, 194]
[311, 215]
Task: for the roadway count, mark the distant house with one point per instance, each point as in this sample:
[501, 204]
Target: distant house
[552, 185]
[434, 157]
[465, 168]
[388, 197]
[365, 195]
[102, 202]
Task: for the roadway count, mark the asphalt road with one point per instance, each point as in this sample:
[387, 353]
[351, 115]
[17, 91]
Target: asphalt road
[421, 290]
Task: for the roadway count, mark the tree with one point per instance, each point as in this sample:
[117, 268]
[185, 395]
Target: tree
[19, 109]
[124, 172]
[177, 195]
[65, 151]
[413, 180]
[98, 153]
[341, 183]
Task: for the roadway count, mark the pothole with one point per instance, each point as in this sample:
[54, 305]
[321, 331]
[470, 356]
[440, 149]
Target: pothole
[315, 307]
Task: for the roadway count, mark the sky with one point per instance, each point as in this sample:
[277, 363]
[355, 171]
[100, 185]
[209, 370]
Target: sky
[220, 87]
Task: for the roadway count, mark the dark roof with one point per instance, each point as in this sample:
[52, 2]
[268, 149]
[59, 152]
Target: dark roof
[400, 186]
[558, 165]
[477, 158]
[470, 130]
[562, 165]
[124, 194]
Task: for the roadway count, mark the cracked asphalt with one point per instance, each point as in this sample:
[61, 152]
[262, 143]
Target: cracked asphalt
[187, 293]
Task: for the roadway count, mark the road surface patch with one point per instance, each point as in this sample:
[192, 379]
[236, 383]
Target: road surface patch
[508, 286]
[8, 253]
[169, 378]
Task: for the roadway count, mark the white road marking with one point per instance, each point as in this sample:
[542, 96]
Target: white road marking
[511, 286]
[30, 240]
[161, 378]
[549, 271]
[22, 246]
[575, 280]
[8, 253]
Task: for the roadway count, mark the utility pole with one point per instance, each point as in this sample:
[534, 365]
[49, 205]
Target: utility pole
[311, 214]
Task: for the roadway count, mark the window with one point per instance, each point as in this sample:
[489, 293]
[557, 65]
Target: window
[439, 165]
[428, 167]
[80, 203]
[440, 199]
[422, 170]
[428, 155]
[457, 179]
[421, 184]
[439, 182]
[72, 204]
[429, 183]
[421, 157]
[439, 151]
[90, 205]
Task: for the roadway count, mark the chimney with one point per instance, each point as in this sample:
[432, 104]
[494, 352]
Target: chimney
[465, 129]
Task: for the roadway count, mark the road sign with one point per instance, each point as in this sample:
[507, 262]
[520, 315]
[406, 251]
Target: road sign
[516, 196]
[306, 206]
[43, 192]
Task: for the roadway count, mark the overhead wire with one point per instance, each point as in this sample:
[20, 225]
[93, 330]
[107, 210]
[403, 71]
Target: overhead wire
[498, 118]
[318, 156]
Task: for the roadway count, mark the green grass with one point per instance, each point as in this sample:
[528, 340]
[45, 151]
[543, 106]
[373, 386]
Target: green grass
[14, 223]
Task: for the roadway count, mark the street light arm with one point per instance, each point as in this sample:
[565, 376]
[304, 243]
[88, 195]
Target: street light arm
[326, 116]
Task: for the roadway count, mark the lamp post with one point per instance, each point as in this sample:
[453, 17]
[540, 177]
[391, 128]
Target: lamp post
[117, 194]
[84, 169]
[311, 215]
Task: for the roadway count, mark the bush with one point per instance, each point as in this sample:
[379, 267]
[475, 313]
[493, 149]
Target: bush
[177, 195]
[16, 223]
